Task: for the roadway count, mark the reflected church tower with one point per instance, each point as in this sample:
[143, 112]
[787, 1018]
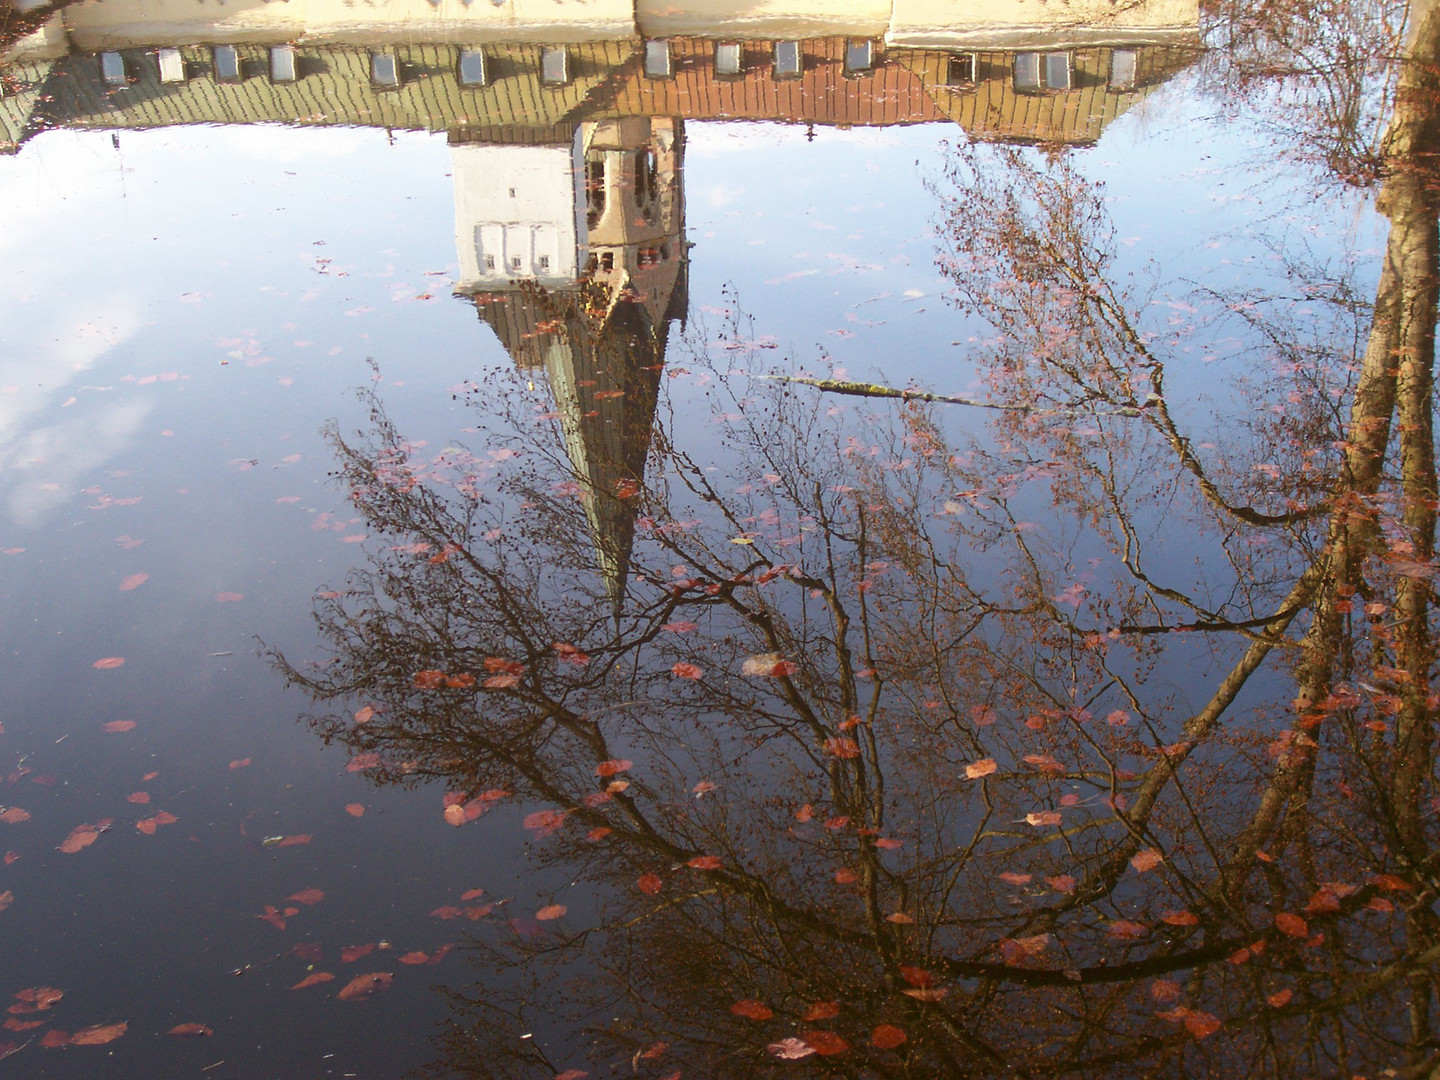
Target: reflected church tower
[574, 253]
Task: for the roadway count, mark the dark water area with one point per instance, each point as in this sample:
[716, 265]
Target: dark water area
[681, 543]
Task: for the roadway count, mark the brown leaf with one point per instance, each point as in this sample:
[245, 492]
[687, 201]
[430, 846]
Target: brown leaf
[822, 1010]
[98, 1034]
[190, 1031]
[313, 980]
[705, 862]
[887, 1037]
[752, 1009]
[364, 986]
[1293, 925]
[350, 953]
[984, 767]
[1146, 860]
[81, 837]
[13, 815]
[825, 1043]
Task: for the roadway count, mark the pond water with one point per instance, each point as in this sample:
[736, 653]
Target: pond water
[693, 543]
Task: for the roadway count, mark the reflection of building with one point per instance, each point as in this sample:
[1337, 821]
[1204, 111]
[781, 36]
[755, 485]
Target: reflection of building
[574, 251]
[566, 121]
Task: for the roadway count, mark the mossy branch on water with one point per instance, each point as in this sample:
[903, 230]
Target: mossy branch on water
[859, 389]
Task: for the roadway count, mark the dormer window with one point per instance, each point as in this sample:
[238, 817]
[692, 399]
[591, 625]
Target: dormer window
[1042, 71]
[859, 56]
[112, 69]
[961, 69]
[728, 56]
[284, 67]
[172, 66]
[659, 63]
[1122, 69]
[787, 60]
[384, 71]
[227, 64]
[555, 67]
[472, 67]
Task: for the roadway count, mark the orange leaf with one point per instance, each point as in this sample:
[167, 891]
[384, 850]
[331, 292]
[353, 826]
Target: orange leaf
[649, 884]
[117, 726]
[355, 809]
[887, 1037]
[164, 817]
[683, 670]
[550, 912]
[82, 836]
[241, 763]
[98, 1034]
[846, 876]
[1201, 1024]
[901, 918]
[613, 766]
[415, 958]
[55, 1037]
[364, 986]
[365, 715]
[1045, 817]
[984, 767]
[14, 816]
[752, 1010]
[1180, 918]
[822, 1010]
[190, 1031]
[1280, 998]
[108, 662]
[307, 897]
[313, 980]
[140, 798]
[705, 862]
[133, 581]
[351, 953]
[824, 1043]
[1293, 925]
[1146, 860]
[289, 841]
[842, 746]
[146, 826]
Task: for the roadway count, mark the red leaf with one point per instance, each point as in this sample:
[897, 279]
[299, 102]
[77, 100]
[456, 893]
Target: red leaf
[917, 976]
[140, 798]
[290, 841]
[313, 980]
[133, 581]
[117, 726]
[842, 746]
[1293, 925]
[190, 1031]
[351, 953]
[472, 894]
[550, 912]
[598, 833]
[825, 1043]
[355, 809]
[752, 1010]
[273, 917]
[705, 862]
[82, 836]
[1280, 998]
[1125, 930]
[846, 876]
[14, 816]
[98, 1034]
[21, 1025]
[1012, 878]
[55, 1037]
[1201, 1024]
[679, 627]
[365, 714]
[228, 597]
[822, 1010]
[361, 762]
[613, 766]
[682, 670]
[241, 763]
[887, 1037]
[1062, 883]
[414, 958]
[544, 822]
[649, 884]
[1044, 817]
[108, 662]
[1146, 860]
[428, 680]
[1180, 918]
[307, 897]
[463, 681]
[364, 986]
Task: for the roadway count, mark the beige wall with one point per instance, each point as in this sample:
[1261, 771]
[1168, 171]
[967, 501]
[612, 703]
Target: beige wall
[763, 18]
[98, 24]
[1017, 23]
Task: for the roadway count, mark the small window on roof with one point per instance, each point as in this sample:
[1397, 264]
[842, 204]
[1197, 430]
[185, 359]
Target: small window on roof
[544, 262]
[555, 67]
[514, 262]
[283, 65]
[787, 59]
[1027, 71]
[112, 69]
[172, 66]
[961, 69]
[727, 58]
[472, 67]
[659, 64]
[227, 63]
[1057, 71]
[859, 56]
[1122, 69]
[489, 262]
[384, 70]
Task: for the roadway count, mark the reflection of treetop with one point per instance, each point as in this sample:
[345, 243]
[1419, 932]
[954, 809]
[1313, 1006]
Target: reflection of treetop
[889, 756]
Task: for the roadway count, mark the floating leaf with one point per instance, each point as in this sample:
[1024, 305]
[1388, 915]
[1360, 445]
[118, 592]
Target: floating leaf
[984, 767]
[682, 670]
[6, 899]
[791, 1049]
[99, 1034]
[364, 986]
[1180, 918]
[140, 798]
[705, 862]
[108, 662]
[54, 1038]
[1280, 998]
[285, 841]
[13, 815]
[308, 897]
[824, 1043]
[1125, 930]
[649, 884]
[613, 766]
[887, 1036]
[351, 953]
[117, 726]
[1201, 1024]
[1293, 925]
[190, 1031]
[1044, 817]
[901, 918]
[241, 763]
[821, 1010]
[550, 912]
[1012, 878]
[842, 746]
[752, 1009]
[228, 597]
[355, 809]
[1147, 859]
[133, 581]
[81, 837]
